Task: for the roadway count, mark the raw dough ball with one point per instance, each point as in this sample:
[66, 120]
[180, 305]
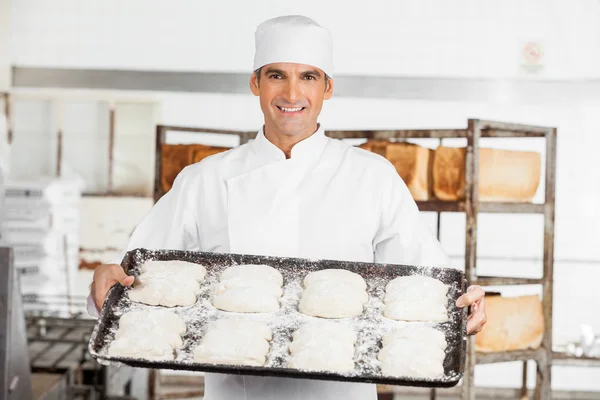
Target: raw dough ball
[416, 298]
[159, 333]
[332, 301]
[252, 328]
[272, 288]
[339, 289]
[320, 346]
[411, 348]
[317, 337]
[169, 293]
[167, 283]
[398, 295]
[247, 300]
[249, 288]
[415, 352]
[146, 347]
[326, 330]
[152, 318]
[336, 275]
[416, 310]
[234, 342]
[183, 281]
[333, 293]
[196, 271]
[252, 272]
[148, 334]
[417, 287]
[424, 334]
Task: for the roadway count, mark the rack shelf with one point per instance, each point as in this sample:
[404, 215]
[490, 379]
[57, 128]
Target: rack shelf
[508, 356]
[565, 359]
[501, 281]
[484, 207]
[399, 134]
[507, 129]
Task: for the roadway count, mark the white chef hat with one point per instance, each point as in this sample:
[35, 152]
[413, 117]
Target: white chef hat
[294, 39]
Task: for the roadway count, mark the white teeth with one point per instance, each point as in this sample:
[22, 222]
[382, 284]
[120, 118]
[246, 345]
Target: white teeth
[291, 109]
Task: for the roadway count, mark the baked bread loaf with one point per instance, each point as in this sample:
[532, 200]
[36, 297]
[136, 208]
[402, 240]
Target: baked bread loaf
[176, 157]
[412, 162]
[504, 175]
[515, 323]
[199, 152]
[376, 146]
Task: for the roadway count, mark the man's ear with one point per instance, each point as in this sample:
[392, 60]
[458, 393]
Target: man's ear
[254, 84]
[328, 89]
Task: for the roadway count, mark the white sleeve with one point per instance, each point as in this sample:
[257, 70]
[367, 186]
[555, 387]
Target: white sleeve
[91, 307]
[170, 224]
[403, 237]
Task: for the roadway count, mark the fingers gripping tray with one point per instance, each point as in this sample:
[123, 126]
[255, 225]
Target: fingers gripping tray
[370, 326]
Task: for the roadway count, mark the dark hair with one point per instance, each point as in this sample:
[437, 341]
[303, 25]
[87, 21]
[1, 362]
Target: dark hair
[257, 73]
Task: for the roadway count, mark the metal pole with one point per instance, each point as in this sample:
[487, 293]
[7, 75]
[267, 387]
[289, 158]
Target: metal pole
[524, 392]
[111, 146]
[5, 317]
[543, 387]
[432, 392]
[59, 146]
[15, 374]
[160, 139]
[471, 210]
[8, 116]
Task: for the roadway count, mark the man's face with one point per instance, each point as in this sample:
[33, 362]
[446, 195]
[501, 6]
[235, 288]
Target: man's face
[291, 97]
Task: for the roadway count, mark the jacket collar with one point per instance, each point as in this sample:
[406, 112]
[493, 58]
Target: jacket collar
[306, 150]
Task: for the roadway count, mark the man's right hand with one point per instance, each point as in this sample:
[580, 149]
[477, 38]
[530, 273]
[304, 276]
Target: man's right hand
[105, 276]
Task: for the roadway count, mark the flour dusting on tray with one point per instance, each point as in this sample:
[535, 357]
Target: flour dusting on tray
[370, 326]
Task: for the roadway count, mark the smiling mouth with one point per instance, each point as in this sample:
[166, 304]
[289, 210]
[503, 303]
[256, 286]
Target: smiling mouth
[291, 109]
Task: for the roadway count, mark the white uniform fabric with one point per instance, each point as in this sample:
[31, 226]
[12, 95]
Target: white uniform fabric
[330, 200]
[293, 39]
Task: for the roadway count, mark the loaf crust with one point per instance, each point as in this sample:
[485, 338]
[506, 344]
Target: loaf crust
[504, 175]
[513, 324]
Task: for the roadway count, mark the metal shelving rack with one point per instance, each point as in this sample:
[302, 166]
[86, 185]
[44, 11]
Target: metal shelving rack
[471, 206]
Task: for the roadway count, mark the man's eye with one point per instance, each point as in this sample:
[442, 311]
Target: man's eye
[275, 76]
[310, 77]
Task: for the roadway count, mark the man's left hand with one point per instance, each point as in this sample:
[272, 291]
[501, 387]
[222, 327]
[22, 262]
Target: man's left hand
[474, 297]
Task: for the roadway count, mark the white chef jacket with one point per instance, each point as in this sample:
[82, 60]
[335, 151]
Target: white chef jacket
[329, 200]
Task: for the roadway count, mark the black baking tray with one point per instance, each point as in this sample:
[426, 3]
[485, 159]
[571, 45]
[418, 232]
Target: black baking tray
[376, 276]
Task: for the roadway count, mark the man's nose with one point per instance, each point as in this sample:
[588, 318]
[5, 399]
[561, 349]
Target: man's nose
[292, 90]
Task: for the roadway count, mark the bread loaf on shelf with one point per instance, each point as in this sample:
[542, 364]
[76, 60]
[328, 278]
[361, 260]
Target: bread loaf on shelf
[412, 162]
[504, 175]
[376, 146]
[176, 157]
[515, 323]
[199, 153]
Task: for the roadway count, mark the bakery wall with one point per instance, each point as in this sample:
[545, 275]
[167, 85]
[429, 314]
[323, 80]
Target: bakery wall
[5, 44]
[474, 40]
[396, 38]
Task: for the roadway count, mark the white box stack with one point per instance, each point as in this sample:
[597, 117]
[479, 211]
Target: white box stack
[42, 225]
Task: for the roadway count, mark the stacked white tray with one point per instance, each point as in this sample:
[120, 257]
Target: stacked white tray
[41, 223]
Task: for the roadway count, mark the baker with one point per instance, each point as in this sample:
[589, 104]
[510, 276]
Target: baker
[291, 192]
